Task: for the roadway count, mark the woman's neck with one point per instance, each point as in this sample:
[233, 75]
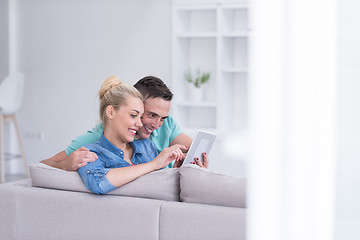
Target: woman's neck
[116, 141]
[124, 146]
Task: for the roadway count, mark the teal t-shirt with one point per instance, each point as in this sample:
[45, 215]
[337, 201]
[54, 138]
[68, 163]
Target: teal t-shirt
[161, 137]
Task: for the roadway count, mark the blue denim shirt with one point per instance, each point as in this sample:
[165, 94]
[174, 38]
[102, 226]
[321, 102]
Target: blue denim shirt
[109, 156]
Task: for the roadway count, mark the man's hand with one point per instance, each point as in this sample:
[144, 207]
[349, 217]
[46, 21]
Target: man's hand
[182, 139]
[79, 158]
[76, 160]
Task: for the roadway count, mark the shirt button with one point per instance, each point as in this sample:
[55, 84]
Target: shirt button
[88, 171]
[121, 153]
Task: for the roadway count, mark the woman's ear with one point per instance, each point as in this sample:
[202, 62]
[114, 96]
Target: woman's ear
[110, 111]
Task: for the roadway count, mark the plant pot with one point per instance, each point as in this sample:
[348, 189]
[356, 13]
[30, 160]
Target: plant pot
[196, 94]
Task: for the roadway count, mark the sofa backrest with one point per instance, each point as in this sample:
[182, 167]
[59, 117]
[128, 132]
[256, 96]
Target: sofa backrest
[189, 183]
[162, 184]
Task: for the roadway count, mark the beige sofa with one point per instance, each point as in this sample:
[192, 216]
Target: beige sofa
[185, 203]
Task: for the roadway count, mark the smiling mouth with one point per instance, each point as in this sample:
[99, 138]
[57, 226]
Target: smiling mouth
[149, 131]
[133, 131]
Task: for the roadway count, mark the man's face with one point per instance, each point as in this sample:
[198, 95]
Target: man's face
[156, 110]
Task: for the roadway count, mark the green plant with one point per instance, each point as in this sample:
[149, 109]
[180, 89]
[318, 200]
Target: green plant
[199, 79]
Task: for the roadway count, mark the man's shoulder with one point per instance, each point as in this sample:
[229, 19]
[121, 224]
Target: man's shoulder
[99, 128]
[170, 120]
[168, 125]
[168, 128]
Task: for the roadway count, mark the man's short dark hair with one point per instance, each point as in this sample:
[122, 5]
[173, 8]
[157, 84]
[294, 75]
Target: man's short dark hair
[153, 87]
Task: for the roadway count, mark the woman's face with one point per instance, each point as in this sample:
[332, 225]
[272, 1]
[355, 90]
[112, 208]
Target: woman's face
[126, 121]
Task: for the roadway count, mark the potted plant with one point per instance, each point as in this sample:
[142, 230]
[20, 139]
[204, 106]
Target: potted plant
[197, 80]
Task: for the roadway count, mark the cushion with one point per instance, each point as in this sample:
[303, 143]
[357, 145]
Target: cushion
[162, 184]
[199, 185]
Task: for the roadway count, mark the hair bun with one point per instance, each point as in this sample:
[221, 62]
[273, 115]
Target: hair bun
[108, 84]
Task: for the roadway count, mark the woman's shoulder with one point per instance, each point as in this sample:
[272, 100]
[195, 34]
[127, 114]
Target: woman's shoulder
[144, 142]
[94, 147]
[144, 146]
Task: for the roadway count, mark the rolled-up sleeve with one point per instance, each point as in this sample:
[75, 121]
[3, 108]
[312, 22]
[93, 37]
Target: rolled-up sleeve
[94, 177]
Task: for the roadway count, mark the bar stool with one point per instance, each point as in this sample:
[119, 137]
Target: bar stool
[11, 94]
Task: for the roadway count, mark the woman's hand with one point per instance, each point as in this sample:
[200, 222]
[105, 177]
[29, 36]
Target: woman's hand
[204, 163]
[178, 163]
[166, 156]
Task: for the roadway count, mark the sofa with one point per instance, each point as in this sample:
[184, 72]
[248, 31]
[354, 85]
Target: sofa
[185, 203]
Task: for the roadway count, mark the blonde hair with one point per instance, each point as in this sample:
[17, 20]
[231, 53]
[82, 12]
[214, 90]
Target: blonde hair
[114, 92]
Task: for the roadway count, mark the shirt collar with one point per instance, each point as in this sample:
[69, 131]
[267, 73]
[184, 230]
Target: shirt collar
[105, 143]
[155, 133]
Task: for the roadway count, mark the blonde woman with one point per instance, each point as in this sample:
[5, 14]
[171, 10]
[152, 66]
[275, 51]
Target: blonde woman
[120, 158]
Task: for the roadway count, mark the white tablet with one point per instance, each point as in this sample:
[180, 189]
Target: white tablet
[202, 142]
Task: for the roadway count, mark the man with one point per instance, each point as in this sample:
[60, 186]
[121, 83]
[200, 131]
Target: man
[158, 126]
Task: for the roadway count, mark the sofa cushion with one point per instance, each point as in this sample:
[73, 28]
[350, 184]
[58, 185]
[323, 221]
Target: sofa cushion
[32, 213]
[201, 221]
[162, 184]
[199, 185]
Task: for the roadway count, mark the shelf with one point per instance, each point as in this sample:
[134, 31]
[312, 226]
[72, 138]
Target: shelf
[235, 19]
[235, 53]
[235, 70]
[234, 100]
[243, 34]
[197, 53]
[192, 7]
[197, 35]
[192, 54]
[195, 20]
[212, 37]
[242, 5]
[235, 34]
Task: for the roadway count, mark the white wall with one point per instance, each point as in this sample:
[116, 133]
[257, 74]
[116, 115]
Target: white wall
[67, 48]
[348, 142]
[4, 37]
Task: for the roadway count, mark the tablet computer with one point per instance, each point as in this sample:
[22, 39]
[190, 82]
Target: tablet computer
[202, 142]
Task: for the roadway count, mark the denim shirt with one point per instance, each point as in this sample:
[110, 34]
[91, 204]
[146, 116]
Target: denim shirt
[109, 156]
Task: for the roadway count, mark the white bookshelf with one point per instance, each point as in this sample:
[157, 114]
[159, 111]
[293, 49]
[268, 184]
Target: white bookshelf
[213, 37]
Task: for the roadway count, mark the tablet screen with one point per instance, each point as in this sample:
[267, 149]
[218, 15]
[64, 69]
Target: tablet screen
[202, 142]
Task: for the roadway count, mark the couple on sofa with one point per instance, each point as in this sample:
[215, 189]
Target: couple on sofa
[108, 157]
